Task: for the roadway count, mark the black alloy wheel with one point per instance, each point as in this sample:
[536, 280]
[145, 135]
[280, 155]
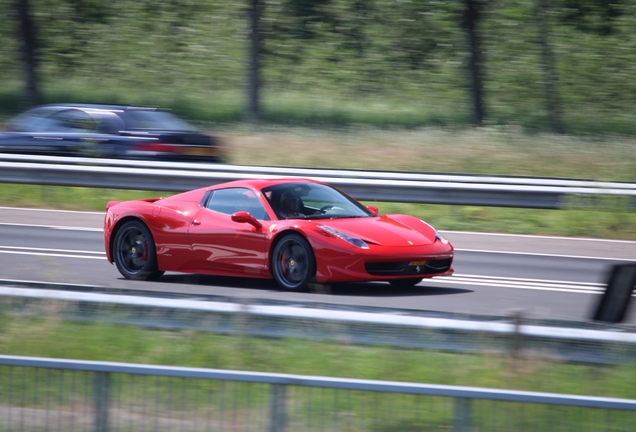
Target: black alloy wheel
[405, 283]
[134, 252]
[293, 263]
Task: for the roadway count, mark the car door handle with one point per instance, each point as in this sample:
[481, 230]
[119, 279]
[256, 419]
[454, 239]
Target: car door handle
[196, 222]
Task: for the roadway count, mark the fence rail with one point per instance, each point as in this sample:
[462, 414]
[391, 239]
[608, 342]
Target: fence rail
[595, 343]
[456, 189]
[105, 396]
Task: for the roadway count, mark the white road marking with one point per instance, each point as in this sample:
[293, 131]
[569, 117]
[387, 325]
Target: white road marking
[524, 279]
[545, 255]
[57, 227]
[521, 283]
[62, 253]
[60, 284]
[52, 210]
[450, 233]
[51, 255]
[22, 248]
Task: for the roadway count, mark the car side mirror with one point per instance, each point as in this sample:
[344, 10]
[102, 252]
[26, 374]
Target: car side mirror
[245, 217]
[374, 210]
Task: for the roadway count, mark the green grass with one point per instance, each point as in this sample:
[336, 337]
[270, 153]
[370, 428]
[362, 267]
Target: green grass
[50, 337]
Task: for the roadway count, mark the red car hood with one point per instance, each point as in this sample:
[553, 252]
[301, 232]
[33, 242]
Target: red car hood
[389, 230]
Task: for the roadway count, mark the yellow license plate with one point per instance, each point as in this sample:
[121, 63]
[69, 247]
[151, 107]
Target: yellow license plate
[417, 263]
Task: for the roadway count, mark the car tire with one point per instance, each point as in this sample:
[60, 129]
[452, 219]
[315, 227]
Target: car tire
[405, 283]
[293, 263]
[134, 252]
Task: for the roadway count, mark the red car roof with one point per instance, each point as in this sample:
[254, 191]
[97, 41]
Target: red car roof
[262, 183]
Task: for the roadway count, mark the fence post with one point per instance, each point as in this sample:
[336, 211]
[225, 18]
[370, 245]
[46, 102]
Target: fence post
[277, 415]
[101, 389]
[461, 422]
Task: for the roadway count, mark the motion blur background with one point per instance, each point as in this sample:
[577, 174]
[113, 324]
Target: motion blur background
[564, 65]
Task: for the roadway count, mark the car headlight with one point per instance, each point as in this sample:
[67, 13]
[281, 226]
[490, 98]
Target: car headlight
[440, 237]
[354, 241]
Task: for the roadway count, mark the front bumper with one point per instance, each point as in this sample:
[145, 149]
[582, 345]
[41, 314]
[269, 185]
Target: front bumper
[383, 264]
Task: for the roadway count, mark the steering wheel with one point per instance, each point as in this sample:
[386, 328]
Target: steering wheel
[324, 209]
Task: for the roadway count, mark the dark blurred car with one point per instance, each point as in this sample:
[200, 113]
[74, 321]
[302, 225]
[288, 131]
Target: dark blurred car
[108, 131]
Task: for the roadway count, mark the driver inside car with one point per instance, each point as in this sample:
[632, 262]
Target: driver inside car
[292, 206]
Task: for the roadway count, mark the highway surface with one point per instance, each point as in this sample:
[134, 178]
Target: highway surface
[495, 274]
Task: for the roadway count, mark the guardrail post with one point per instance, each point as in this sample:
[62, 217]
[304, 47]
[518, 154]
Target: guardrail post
[613, 305]
[461, 422]
[277, 415]
[101, 382]
[516, 338]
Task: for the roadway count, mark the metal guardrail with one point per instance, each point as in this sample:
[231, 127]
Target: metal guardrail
[111, 395]
[454, 189]
[515, 335]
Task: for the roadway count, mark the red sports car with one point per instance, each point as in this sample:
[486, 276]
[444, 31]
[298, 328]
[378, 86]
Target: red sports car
[293, 230]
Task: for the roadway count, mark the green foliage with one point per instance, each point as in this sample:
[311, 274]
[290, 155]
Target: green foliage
[183, 53]
[596, 16]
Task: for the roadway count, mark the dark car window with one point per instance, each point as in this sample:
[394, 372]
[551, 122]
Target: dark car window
[50, 120]
[234, 200]
[70, 120]
[140, 119]
[73, 121]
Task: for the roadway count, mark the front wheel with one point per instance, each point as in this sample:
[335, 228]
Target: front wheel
[293, 263]
[134, 252]
[405, 283]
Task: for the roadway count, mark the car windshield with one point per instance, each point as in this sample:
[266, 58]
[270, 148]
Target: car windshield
[305, 200]
[141, 119]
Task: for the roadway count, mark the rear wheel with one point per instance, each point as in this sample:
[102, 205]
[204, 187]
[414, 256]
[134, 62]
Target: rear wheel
[293, 263]
[134, 252]
[405, 283]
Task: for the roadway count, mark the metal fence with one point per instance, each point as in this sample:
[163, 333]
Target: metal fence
[457, 189]
[38, 394]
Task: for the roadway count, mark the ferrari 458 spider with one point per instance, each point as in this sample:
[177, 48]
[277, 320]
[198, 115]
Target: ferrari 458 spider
[293, 230]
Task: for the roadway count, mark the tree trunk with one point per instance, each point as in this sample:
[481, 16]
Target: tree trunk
[552, 103]
[252, 111]
[470, 19]
[28, 48]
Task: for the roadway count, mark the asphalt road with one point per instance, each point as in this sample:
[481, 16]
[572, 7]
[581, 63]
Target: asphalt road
[545, 277]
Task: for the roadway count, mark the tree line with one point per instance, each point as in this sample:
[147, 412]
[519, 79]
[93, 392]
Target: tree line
[383, 40]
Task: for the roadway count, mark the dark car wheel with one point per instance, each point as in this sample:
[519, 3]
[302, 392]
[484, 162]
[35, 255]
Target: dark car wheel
[405, 283]
[293, 263]
[134, 252]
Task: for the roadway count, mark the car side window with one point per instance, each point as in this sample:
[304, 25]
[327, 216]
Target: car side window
[232, 200]
[73, 121]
